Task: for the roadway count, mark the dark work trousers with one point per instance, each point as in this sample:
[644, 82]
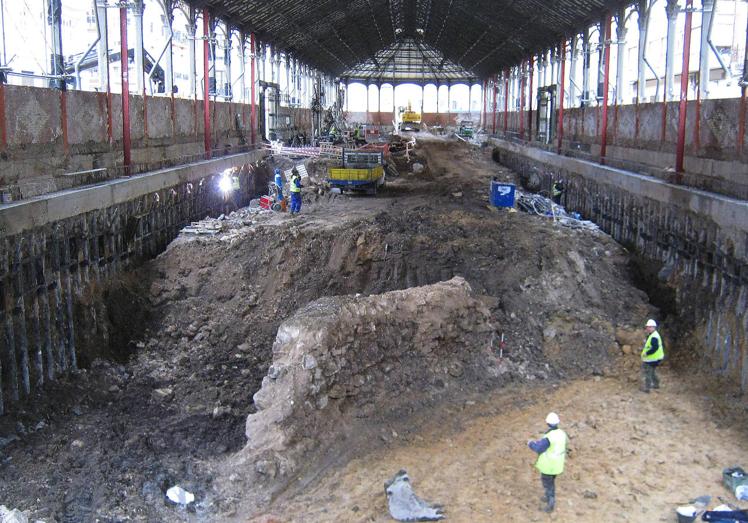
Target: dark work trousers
[649, 372]
[549, 485]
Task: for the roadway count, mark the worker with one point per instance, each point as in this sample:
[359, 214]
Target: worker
[279, 183]
[652, 354]
[295, 188]
[557, 190]
[551, 450]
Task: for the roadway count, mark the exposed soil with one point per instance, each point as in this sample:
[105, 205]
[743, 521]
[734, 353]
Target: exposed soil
[105, 444]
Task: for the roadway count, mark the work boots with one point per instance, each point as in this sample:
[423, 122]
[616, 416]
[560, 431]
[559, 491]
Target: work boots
[551, 504]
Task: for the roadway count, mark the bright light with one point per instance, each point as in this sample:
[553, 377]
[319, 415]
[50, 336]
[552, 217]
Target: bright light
[224, 184]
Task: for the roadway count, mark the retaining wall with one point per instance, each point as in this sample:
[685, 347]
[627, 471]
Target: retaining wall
[697, 240]
[45, 134]
[643, 138]
[55, 249]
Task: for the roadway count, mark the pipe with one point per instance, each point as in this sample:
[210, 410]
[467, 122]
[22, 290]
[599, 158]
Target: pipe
[711, 44]
[706, 28]
[206, 83]
[562, 59]
[125, 90]
[253, 111]
[77, 66]
[606, 83]
[681, 145]
[657, 78]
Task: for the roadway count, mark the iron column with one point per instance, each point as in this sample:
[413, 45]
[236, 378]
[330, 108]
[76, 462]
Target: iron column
[681, 146]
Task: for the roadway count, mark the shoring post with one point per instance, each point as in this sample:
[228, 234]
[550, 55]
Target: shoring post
[681, 146]
[606, 83]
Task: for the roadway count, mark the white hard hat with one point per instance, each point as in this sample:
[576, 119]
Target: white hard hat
[552, 419]
[651, 323]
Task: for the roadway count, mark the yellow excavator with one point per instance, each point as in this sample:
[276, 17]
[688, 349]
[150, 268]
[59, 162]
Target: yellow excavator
[411, 120]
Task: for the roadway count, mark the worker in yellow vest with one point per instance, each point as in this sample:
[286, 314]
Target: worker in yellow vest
[551, 450]
[652, 355]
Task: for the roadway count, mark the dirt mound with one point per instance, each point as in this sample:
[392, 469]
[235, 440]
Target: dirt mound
[175, 412]
[342, 358]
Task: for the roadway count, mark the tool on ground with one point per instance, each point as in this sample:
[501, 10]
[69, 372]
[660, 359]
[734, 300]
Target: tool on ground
[403, 503]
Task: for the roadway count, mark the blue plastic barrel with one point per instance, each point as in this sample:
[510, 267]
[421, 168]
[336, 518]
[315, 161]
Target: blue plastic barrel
[502, 194]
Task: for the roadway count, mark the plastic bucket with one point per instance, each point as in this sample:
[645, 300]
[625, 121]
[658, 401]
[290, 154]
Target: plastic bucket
[686, 514]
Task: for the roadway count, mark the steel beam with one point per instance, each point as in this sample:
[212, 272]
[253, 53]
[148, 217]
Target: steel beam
[606, 84]
[191, 47]
[620, 55]
[522, 85]
[562, 60]
[483, 115]
[125, 90]
[672, 17]
[681, 145]
[56, 59]
[586, 51]
[169, 66]
[103, 48]
[138, 62]
[707, 12]
[495, 92]
[529, 113]
[506, 101]
[227, 91]
[574, 48]
[641, 82]
[206, 83]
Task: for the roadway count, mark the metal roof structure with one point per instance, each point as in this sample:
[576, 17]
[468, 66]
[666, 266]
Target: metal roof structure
[408, 61]
[481, 36]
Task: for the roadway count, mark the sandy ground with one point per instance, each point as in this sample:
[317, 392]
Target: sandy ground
[633, 457]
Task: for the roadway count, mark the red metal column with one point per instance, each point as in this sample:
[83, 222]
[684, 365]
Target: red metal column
[562, 59]
[606, 81]
[495, 92]
[206, 81]
[681, 147]
[506, 101]
[529, 114]
[125, 90]
[522, 100]
[253, 112]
